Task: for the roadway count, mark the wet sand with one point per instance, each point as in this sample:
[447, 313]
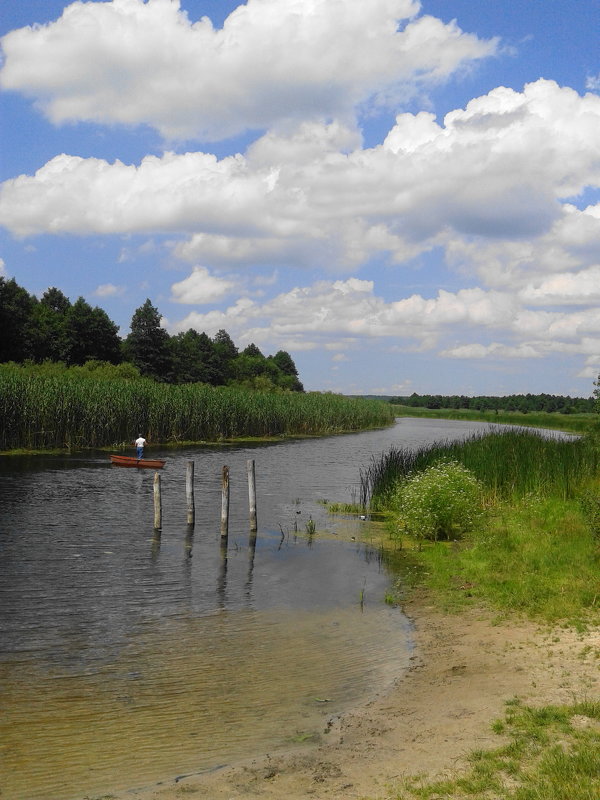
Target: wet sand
[464, 670]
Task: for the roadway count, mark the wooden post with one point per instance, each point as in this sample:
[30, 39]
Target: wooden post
[252, 493]
[157, 503]
[189, 492]
[225, 503]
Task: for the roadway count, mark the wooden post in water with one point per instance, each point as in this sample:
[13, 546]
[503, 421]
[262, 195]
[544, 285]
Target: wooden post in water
[252, 493]
[189, 492]
[157, 503]
[225, 504]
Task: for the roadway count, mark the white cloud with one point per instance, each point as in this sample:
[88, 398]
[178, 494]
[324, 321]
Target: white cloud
[108, 290]
[578, 288]
[131, 62]
[487, 185]
[3, 273]
[495, 350]
[200, 287]
[337, 315]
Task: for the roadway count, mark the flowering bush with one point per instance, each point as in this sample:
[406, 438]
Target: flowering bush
[441, 502]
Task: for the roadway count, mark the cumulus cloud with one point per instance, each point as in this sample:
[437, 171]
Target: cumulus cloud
[108, 290]
[200, 288]
[132, 62]
[490, 174]
[339, 314]
[3, 273]
[577, 288]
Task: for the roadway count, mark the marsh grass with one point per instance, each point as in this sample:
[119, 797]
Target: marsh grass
[549, 753]
[41, 412]
[510, 464]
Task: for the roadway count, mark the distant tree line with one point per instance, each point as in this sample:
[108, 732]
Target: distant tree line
[524, 403]
[53, 329]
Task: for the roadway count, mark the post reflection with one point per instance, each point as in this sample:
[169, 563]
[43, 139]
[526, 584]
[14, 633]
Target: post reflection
[222, 576]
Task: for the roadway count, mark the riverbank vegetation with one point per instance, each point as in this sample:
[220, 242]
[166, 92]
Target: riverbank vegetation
[79, 408]
[525, 533]
[576, 422]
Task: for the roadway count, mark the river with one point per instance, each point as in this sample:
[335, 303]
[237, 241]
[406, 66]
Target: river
[129, 657]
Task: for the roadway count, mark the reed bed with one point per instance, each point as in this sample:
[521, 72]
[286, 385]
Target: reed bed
[510, 464]
[56, 412]
[569, 423]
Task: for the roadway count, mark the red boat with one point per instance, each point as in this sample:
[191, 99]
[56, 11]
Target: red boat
[130, 461]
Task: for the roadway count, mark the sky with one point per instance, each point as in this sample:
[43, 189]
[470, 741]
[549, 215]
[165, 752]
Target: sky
[403, 195]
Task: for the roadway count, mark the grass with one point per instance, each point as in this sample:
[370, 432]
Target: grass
[539, 558]
[549, 753]
[569, 423]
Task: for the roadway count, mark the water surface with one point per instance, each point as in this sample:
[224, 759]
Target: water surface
[129, 657]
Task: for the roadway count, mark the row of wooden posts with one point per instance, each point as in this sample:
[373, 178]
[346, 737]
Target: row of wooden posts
[189, 492]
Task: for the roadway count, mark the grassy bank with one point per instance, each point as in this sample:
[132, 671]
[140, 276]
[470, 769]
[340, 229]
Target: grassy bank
[569, 423]
[532, 544]
[534, 552]
[54, 412]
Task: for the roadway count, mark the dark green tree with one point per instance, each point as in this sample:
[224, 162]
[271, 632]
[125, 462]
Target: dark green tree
[148, 345]
[226, 352]
[89, 334]
[48, 326]
[285, 363]
[16, 311]
[194, 358]
[252, 350]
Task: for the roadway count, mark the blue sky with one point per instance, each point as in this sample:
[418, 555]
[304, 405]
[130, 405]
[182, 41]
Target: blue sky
[402, 194]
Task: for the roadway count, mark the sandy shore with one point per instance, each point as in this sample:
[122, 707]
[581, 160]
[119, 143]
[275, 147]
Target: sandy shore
[465, 668]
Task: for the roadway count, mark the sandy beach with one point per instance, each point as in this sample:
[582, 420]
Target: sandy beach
[464, 670]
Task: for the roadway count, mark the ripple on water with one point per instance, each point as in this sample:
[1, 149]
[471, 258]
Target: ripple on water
[191, 694]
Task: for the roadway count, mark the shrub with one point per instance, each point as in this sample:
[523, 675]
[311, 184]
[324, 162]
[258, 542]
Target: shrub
[441, 502]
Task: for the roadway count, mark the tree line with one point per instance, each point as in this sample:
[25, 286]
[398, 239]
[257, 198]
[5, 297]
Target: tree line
[53, 329]
[523, 403]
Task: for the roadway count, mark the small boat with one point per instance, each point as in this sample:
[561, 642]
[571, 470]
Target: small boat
[131, 461]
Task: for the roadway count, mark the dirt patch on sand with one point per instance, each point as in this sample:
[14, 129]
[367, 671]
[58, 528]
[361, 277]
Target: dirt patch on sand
[464, 670]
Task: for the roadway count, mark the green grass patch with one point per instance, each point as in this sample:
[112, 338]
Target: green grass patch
[549, 753]
[539, 559]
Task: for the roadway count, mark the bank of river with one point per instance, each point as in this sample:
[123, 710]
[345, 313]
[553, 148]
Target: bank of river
[129, 658]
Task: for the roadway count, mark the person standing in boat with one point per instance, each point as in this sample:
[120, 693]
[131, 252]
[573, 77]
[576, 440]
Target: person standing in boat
[139, 445]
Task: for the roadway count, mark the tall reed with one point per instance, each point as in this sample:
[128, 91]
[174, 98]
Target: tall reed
[510, 463]
[58, 411]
